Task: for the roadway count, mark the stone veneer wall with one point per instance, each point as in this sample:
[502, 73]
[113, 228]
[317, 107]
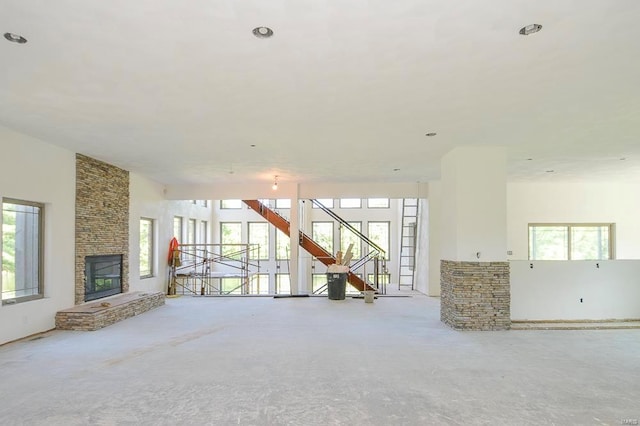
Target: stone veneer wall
[102, 216]
[475, 295]
[94, 316]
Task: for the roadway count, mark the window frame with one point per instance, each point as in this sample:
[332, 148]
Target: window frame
[359, 206]
[266, 250]
[222, 243]
[151, 248]
[388, 248]
[41, 242]
[569, 225]
[223, 207]
[313, 234]
[369, 206]
[327, 202]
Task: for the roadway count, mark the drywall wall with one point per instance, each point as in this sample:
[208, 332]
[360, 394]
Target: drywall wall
[147, 201]
[615, 202]
[33, 170]
[573, 290]
[473, 221]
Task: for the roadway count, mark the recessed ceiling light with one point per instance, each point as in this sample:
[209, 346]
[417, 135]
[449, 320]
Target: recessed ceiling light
[550, 171]
[262, 32]
[253, 145]
[431, 134]
[529, 159]
[396, 170]
[530, 29]
[623, 158]
[16, 38]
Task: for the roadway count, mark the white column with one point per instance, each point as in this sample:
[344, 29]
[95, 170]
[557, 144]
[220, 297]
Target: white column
[294, 232]
[474, 205]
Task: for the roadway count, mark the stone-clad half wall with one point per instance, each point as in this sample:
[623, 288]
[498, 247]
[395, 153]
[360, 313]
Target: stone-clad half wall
[475, 295]
[102, 216]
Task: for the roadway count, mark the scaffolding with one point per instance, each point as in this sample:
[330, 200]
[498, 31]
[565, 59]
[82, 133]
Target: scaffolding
[203, 269]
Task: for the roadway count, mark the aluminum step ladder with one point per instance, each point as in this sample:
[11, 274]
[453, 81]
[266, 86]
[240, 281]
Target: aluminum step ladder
[408, 240]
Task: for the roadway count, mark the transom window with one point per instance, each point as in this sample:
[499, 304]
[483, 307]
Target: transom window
[327, 202]
[230, 204]
[571, 241]
[350, 203]
[378, 203]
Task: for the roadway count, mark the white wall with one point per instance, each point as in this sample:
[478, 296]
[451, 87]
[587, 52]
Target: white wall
[552, 290]
[35, 171]
[147, 200]
[616, 202]
[474, 207]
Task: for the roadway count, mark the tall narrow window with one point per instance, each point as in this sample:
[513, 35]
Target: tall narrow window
[379, 234]
[191, 237]
[204, 232]
[146, 248]
[283, 245]
[322, 233]
[22, 246]
[177, 228]
[231, 238]
[259, 240]
[348, 237]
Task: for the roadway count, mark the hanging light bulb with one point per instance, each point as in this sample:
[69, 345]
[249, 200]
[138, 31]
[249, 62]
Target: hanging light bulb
[275, 183]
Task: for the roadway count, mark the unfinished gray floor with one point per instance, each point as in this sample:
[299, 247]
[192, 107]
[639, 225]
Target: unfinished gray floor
[312, 361]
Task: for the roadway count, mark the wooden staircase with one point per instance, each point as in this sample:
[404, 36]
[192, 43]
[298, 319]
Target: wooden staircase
[305, 241]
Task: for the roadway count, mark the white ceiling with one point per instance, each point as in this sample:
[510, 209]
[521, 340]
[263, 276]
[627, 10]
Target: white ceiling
[344, 91]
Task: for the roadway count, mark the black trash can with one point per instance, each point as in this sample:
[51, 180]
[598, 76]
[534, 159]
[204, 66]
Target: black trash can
[337, 285]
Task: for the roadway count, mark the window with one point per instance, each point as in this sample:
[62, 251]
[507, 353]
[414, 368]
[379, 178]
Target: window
[571, 241]
[230, 204]
[259, 284]
[350, 203]
[348, 237]
[318, 281]
[283, 285]
[204, 232]
[191, 236]
[177, 228]
[146, 248]
[231, 285]
[378, 203]
[327, 202]
[22, 246]
[322, 233]
[382, 278]
[379, 234]
[283, 203]
[283, 245]
[231, 233]
[259, 234]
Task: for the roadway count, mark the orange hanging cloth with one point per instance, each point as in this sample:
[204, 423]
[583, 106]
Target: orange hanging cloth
[174, 253]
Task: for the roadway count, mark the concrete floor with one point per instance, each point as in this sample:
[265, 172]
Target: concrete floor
[311, 361]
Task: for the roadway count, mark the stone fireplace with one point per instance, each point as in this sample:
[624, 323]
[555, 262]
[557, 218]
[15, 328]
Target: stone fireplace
[102, 229]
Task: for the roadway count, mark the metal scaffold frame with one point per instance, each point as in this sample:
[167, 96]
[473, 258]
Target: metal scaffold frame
[192, 269]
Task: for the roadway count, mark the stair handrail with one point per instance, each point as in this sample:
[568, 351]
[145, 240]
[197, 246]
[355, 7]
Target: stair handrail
[348, 226]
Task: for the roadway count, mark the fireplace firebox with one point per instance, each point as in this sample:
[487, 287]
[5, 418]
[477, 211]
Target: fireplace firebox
[102, 276]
